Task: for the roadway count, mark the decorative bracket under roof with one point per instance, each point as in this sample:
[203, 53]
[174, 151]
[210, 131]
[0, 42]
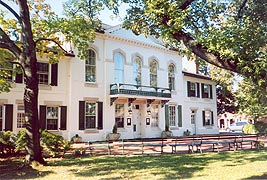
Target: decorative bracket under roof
[163, 102]
[130, 101]
[112, 100]
[150, 101]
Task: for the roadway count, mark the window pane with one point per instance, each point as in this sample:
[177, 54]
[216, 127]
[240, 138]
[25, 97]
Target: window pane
[153, 74]
[90, 109]
[90, 115]
[207, 118]
[118, 68]
[90, 122]
[137, 70]
[21, 123]
[90, 67]
[172, 115]
[43, 73]
[52, 118]
[171, 77]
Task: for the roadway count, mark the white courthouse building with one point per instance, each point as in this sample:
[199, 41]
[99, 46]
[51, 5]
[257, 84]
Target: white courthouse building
[129, 80]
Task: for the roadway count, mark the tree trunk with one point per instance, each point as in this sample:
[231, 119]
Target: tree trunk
[29, 63]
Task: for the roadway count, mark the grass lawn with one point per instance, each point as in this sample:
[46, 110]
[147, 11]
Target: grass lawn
[247, 164]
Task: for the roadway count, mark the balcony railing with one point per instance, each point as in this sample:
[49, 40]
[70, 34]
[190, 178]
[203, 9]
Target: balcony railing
[130, 89]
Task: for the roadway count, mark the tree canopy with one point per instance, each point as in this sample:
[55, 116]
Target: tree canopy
[230, 34]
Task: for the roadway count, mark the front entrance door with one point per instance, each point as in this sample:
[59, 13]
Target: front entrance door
[136, 121]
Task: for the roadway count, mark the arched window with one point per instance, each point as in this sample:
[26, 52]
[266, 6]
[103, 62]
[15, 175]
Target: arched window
[137, 65]
[90, 67]
[118, 68]
[154, 73]
[171, 76]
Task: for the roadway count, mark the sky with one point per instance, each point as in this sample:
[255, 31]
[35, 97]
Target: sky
[105, 16]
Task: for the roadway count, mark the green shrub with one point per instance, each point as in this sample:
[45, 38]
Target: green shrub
[249, 129]
[55, 144]
[261, 144]
[7, 143]
[261, 128]
[21, 141]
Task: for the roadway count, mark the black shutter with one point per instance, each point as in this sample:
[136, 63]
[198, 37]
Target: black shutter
[198, 90]
[19, 78]
[54, 74]
[81, 115]
[167, 118]
[180, 116]
[211, 92]
[100, 115]
[63, 117]
[188, 88]
[42, 117]
[203, 118]
[9, 117]
[212, 120]
[202, 90]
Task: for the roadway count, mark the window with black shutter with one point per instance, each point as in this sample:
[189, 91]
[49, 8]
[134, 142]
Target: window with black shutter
[42, 117]
[81, 115]
[8, 117]
[54, 74]
[63, 117]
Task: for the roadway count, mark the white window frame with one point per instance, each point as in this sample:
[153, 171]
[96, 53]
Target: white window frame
[117, 69]
[173, 115]
[53, 117]
[91, 68]
[208, 118]
[89, 115]
[206, 89]
[21, 123]
[171, 76]
[153, 68]
[44, 73]
[194, 87]
[137, 70]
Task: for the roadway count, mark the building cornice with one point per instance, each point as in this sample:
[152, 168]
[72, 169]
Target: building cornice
[136, 43]
[196, 75]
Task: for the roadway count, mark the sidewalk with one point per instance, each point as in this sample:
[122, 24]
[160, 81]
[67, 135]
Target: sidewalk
[141, 147]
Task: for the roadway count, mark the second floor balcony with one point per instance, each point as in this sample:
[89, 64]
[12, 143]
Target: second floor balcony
[138, 90]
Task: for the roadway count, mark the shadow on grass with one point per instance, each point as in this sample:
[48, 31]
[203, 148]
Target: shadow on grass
[15, 169]
[264, 176]
[165, 166]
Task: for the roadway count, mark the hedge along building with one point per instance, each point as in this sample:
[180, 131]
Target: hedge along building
[128, 80]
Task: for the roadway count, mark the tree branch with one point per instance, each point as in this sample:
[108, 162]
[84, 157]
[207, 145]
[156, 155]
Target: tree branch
[52, 40]
[202, 52]
[186, 4]
[20, 65]
[241, 8]
[11, 10]
[7, 43]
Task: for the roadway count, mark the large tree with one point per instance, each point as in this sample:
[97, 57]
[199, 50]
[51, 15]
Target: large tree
[29, 29]
[230, 34]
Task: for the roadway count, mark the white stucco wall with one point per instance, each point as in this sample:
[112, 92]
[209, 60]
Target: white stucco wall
[72, 88]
